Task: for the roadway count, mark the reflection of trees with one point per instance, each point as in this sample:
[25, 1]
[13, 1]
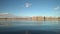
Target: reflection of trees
[3, 21]
[6, 23]
[44, 18]
[6, 19]
[58, 20]
[0, 24]
[58, 17]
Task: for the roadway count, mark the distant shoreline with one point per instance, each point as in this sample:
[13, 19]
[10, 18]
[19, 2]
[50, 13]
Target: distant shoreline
[34, 18]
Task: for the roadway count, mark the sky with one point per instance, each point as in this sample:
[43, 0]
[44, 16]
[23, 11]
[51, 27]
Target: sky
[31, 7]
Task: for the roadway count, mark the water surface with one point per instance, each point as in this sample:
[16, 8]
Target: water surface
[30, 27]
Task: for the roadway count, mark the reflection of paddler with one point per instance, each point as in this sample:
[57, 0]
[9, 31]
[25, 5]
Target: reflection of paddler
[26, 32]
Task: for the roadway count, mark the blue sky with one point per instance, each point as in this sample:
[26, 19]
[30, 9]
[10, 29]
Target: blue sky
[30, 7]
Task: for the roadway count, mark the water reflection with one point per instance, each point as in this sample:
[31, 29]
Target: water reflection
[31, 27]
[23, 22]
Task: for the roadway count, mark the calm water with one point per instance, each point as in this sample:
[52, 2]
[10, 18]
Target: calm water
[30, 27]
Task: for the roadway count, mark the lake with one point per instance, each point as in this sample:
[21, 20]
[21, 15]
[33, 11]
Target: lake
[29, 27]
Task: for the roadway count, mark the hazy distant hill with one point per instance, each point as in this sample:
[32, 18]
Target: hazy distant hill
[6, 15]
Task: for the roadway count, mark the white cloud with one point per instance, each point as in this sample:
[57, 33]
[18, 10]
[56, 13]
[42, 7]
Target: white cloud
[27, 5]
[56, 8]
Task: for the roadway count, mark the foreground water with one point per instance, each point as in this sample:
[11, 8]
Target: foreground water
[30, 27]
